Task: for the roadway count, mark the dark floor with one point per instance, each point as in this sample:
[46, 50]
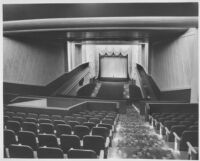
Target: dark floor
[111, 90]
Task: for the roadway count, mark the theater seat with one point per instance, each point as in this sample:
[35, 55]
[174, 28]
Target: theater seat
[32, 115]
[13, 125]
[108, 126]
[49, 152]
[21, 114]
[81, 120]
[49, 140]
[9, 137]
[99, 116]
[178, 129]
[56, 117]
[63, 129]
[46, 128]
[188, 136]
[76, 115]
[87, 116]
[169, 124]
[6, 119]
[69, 118]
[193, 128]
[56, 122]
[101, 131]
[69, 141]
[20, 151]
[81, 131]
[28, 138]
[94, 120]
[73, 124]
[96, 143]
[9, 113]
[30, 126]
[90, 125]
[185, 123]
[42, 120]
[193, 153]
[44, 116]
[18, 118]
[81, 154]
[108, 121]
[30, 119]
[82, 112]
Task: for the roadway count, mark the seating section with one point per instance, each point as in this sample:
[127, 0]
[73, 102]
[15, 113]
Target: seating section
[178, 128]
[32, 135]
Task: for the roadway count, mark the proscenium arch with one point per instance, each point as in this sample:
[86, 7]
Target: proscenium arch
[110, 56]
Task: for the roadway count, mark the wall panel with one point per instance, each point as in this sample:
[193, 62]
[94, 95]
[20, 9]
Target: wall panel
[32, 62]
[174, 63]
[172, 60]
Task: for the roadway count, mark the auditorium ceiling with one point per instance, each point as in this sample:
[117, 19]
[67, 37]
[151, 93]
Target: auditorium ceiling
[110, 21]
[125, 35]
[70, 10]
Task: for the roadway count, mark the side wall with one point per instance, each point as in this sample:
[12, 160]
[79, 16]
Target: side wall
[174, 63]
[32, 62]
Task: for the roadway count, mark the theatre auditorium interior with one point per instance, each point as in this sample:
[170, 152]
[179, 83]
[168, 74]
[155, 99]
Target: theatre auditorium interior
[100, 80]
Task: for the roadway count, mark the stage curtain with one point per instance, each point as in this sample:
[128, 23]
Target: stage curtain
[113, 67]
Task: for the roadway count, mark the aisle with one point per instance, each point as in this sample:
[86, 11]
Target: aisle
[136, 139]
[111, 90]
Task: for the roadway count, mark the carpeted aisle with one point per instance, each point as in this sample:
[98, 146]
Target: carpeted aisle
[111, 90]
[135, 139]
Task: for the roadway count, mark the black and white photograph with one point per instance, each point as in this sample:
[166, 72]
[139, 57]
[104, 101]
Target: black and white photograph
[100, 79]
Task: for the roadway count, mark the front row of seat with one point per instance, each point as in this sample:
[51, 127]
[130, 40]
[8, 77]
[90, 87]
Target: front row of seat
[24, 151]
[95, 142]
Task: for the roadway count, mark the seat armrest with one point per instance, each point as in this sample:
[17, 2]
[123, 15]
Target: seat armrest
[110, 134]
[113, 128]
[167, 131]
[161, 129]
[65, 156]
[176, 136]
[176, 142]
[191, 148]
[81, 143]
[37, 140]
[101, 155]
[107, 142]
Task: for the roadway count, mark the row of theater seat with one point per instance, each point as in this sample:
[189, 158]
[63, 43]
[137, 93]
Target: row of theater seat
[64, 142]
[86, 115]
[33, 132]
[23, 151]
[179, 128]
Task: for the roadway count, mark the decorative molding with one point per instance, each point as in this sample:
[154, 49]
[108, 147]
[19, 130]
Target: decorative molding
[107, 23]
[112, 55]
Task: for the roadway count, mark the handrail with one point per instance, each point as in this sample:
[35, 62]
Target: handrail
[72, 85]
[44, 90]
[140, 83]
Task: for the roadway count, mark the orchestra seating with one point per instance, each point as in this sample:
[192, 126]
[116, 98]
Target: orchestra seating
[31, 135]
[177, 123]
